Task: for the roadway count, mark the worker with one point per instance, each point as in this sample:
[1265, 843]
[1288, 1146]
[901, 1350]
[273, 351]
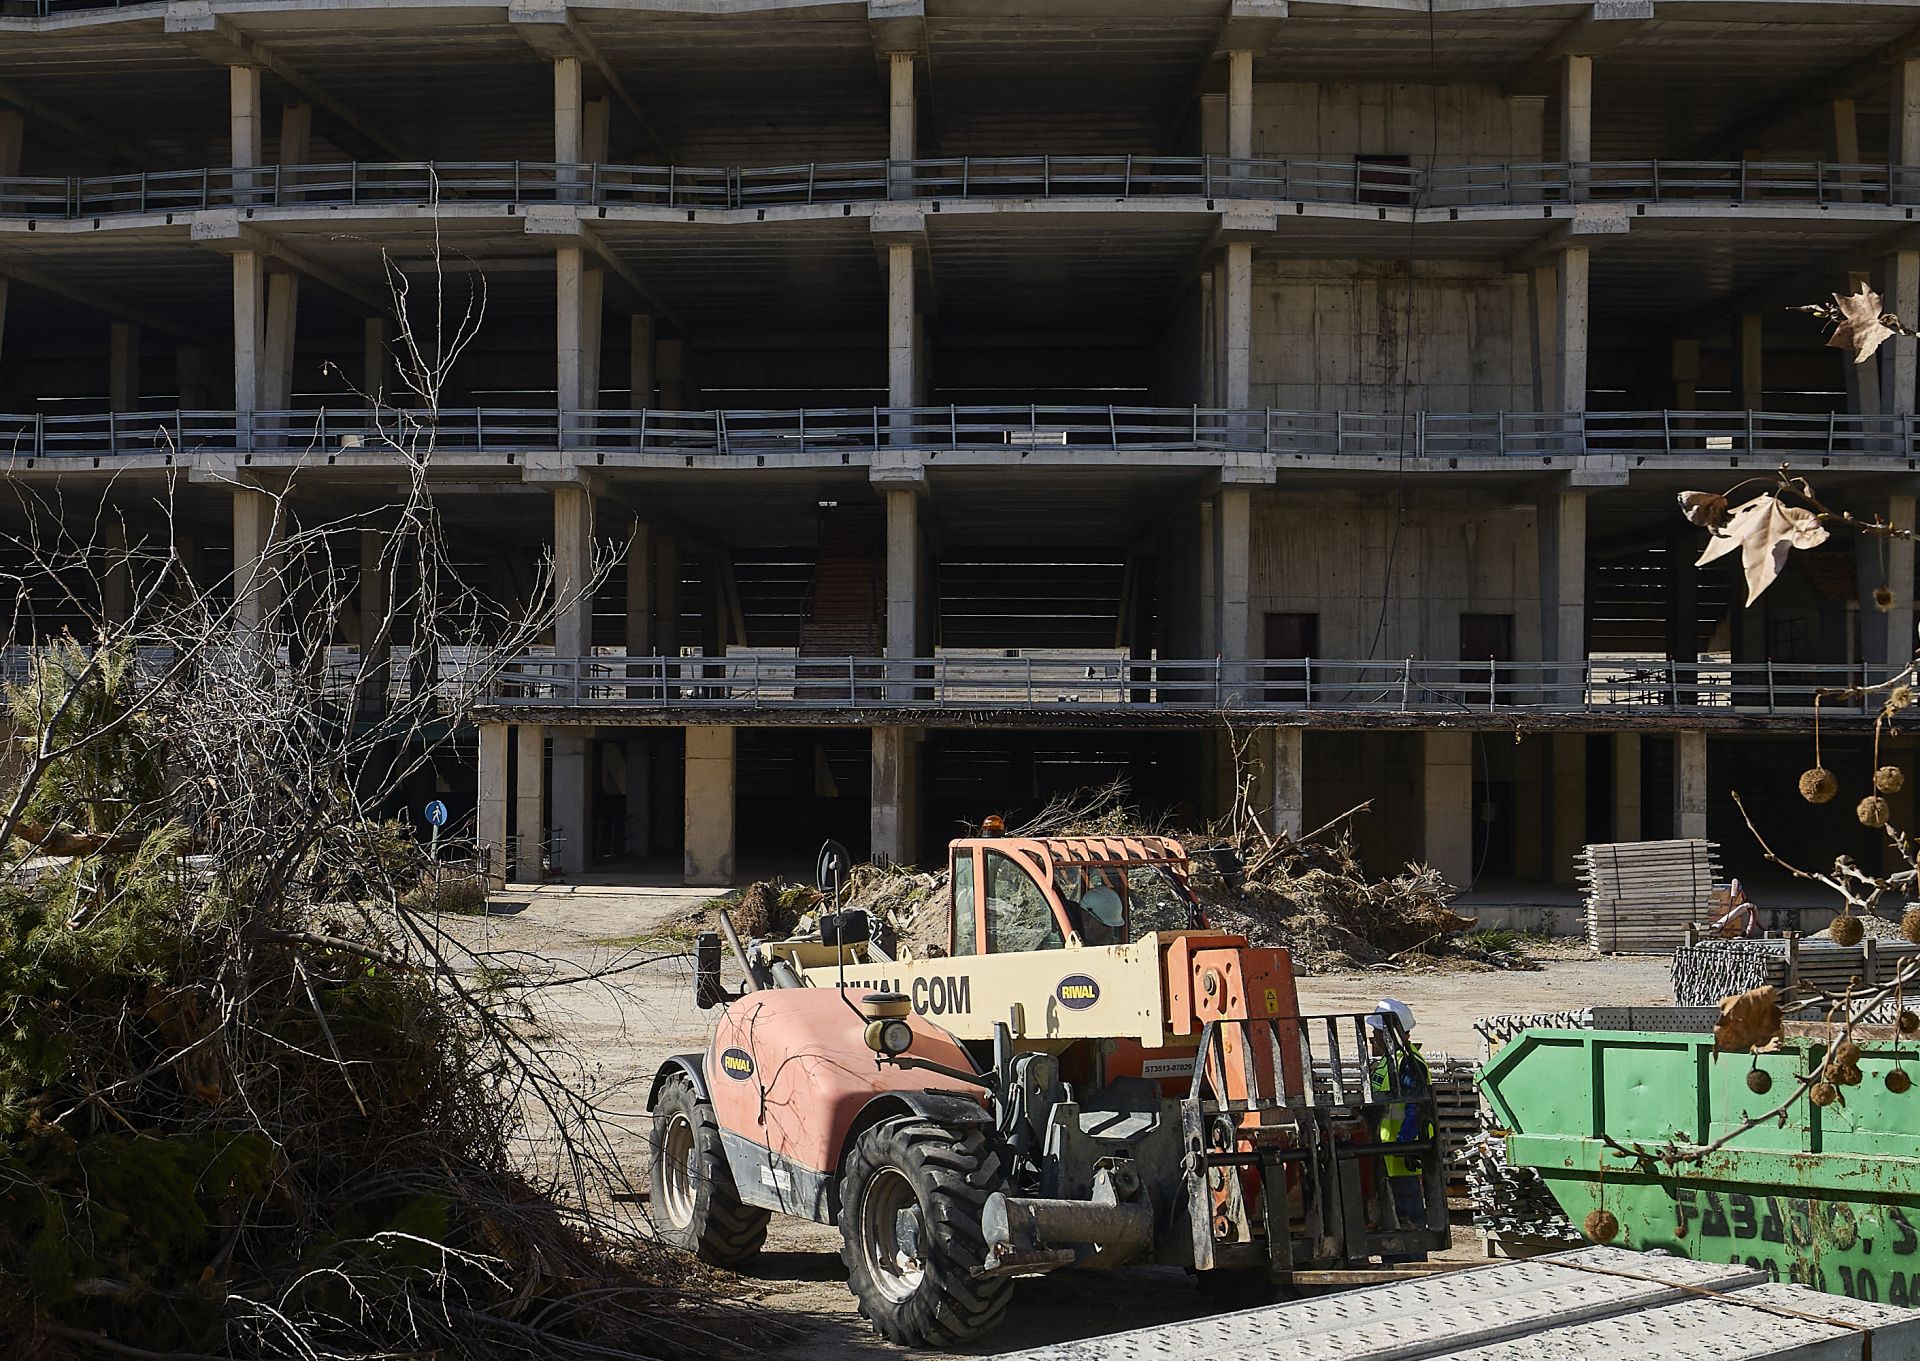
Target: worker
[1741, 919]
[1400, 1076]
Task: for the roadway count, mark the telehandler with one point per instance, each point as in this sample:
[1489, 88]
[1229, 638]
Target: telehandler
[1087, 1076]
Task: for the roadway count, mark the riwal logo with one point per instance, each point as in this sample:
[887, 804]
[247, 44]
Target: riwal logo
[737, 1064]
[1077, 992]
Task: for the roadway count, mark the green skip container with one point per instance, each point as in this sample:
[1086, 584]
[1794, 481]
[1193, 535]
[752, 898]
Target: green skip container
[1830, 1198]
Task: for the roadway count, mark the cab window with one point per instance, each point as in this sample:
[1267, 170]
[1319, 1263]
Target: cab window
[965, 933]
[1018, 914]
[1155, 901]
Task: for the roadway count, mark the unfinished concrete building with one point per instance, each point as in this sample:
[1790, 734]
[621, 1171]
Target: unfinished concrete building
[993, 399]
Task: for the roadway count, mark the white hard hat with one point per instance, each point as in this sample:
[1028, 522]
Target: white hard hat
[1391, 1006]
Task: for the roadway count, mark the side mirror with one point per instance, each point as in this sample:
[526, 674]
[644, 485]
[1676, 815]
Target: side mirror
[707, 992]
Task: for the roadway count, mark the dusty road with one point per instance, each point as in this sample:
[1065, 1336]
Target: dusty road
[624, 1026]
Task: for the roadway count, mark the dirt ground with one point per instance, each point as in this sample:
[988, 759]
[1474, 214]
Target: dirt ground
[623, 1027]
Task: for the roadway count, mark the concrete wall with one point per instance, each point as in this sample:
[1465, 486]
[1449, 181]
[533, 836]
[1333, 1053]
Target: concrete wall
[1327, 552]
[1469, 124]
[1332, 335]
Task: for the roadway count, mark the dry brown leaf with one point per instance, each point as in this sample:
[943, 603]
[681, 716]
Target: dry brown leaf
[1764, 531]
[1861, 331]
[1708, 509]
[1748, 1022]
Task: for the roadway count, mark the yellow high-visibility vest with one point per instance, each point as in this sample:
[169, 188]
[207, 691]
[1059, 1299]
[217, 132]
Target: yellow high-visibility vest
[1397, 1124]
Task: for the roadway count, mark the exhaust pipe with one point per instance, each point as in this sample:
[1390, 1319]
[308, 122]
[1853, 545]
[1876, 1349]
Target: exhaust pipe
[1032, 1234]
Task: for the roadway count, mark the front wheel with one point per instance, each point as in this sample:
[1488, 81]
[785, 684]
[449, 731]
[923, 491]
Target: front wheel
[695, 1203]
[910, 1207]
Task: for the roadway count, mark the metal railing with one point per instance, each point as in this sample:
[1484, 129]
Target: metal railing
[1339, 181]
[1016, 430]
[1217, 685]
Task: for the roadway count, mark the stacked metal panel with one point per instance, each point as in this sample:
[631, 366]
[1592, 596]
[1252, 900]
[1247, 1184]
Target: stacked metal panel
[1801, 968]
[1642, 895]
[1593, 1302]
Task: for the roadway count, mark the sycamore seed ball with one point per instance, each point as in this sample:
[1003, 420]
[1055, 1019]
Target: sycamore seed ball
[1818, 785]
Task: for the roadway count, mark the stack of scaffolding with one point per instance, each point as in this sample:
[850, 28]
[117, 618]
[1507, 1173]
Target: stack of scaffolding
[1642, 895]
[1456, 1105]
[1803, 970]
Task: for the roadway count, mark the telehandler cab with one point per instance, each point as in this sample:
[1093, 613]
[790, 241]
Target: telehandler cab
[1087, 1076]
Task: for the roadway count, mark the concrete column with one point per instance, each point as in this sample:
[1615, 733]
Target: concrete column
[283, 308]
[639, 753]
[670, 375]
[1846, 147]
[375, 640]
[709, 805]
[256, 582]
[569, 115]
[1562, 534]
[375, 334]
[1898, 359]
[666, 595]
[530, 803]
[640, 590]
[902, 129]
[490, 828]
[572, 800]
[1233, 548]
[903, 572]
[572, 571]
[640, 361]
[1576, 117]
[1752, 381]
[1446, 791]
[577, 304]
[1686, 374]
[1543, 289]
[1903, 132]
[900, 309]
[595, 118]
[1887, 636]
[123, 367]
[1286, 774]
[116, 584]
[296, 135]
[1568, 804]
[1690, 785]
[1239, 105]
[1626, 787]
[243, 116]
[249, 328]
[1572, 341]
[895, 817]
[1238, 346]
[1209, 582]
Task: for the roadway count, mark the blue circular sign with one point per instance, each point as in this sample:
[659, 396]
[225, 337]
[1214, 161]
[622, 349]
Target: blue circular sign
[436, 814]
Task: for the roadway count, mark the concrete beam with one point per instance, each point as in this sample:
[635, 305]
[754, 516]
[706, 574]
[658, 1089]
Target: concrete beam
[217, 39]
[550, 31]
[897, 26]
[1755, 131]
[223, 230]
[1251, 26]
[146, 155]
[1595, 33]
[708, 833]
[1592, 225]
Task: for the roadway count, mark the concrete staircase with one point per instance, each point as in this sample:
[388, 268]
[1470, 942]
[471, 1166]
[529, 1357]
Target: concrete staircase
[847, 606]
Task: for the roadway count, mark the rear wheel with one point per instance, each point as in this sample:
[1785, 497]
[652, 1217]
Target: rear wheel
[910, 1207]
[695, 1203]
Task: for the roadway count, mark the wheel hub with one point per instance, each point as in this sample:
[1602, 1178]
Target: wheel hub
[675, 1191]
[890, 1230]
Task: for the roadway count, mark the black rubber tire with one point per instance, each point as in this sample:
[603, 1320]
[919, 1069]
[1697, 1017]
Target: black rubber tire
[952, 1171]
[716, 1226]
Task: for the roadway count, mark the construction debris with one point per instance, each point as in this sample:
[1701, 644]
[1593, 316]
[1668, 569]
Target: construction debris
[1806, 970]
[1642, 895]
